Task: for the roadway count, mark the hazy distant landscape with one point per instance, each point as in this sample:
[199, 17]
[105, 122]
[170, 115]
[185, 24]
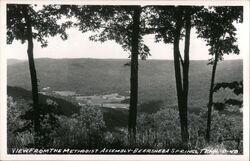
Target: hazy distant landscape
[124, 79]
[106, 76]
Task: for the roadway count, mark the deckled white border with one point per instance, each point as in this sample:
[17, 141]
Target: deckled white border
[3, 84]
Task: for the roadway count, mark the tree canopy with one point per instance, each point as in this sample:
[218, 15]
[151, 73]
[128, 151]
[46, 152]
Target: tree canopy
[44, 23]
[216, 25]
[111, 23]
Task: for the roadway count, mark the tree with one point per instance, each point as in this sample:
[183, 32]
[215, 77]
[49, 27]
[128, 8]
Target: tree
[134, 73]
[216, 26]
[121, 24]
[25, 23]
[168, 23]
[182, 87]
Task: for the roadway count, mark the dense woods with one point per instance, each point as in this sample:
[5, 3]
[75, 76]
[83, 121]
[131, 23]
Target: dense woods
[40, 124]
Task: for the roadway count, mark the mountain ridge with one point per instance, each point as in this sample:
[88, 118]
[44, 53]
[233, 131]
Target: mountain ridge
[93, 76]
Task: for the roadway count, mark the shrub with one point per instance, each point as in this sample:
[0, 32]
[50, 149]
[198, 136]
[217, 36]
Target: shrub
[87, 129]
[150, 106]
[224, 128]
[159, 130]
[146, 130]
[162, 129]
[117, 138]
[83, 130]
[15, 109]
[20, 124]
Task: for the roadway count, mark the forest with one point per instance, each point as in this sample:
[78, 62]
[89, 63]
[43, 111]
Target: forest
[147, 118]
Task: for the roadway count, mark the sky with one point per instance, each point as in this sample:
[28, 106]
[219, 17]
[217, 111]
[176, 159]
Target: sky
[78, 45]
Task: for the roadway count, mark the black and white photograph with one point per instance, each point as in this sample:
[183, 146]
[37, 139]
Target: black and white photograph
[159, 79]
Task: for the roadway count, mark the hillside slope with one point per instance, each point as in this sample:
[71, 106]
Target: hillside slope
[66, 108]
[95, 76]
[112, 117]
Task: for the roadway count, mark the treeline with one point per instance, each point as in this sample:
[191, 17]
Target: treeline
[126, 25]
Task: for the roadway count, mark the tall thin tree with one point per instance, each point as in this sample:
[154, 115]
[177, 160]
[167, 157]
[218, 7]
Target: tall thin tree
[216, 26]
[121, 24]
[169, 23]
[134, 73]
[25, 23]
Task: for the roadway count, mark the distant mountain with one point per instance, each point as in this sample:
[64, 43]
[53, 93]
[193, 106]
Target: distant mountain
[95, 76]
[14, 61]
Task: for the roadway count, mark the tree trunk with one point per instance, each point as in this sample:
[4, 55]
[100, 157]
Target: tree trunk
[33, 75]
[182, 85]
[179, 88]
[185, 75]
[210, 103]
[134, 76]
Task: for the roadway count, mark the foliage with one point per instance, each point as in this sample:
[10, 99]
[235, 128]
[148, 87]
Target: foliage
[237, 87]
[215, 25]
[150, 106]
[162, 129]
[24, 23]
[66, 108]
[117, 138]
[14, 122]
[110, 23]
[162, 21]
[43, 22]
[87, 129]
[146, 136]
[224, 128]
[14, 112]
[24, 117]
[83, 130]
[157, 130]
[171, 22]
[168, 127]
[115, 118]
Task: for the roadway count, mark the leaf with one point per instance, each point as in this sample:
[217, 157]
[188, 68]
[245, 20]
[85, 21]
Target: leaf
[237, 87]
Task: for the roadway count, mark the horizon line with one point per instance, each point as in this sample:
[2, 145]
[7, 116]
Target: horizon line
[114, 59]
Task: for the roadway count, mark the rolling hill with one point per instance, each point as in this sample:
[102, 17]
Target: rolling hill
[95, 76]
[112, 117]
[66, 108]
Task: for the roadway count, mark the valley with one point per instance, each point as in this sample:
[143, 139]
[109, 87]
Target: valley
[89, 77]
[112, 100]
